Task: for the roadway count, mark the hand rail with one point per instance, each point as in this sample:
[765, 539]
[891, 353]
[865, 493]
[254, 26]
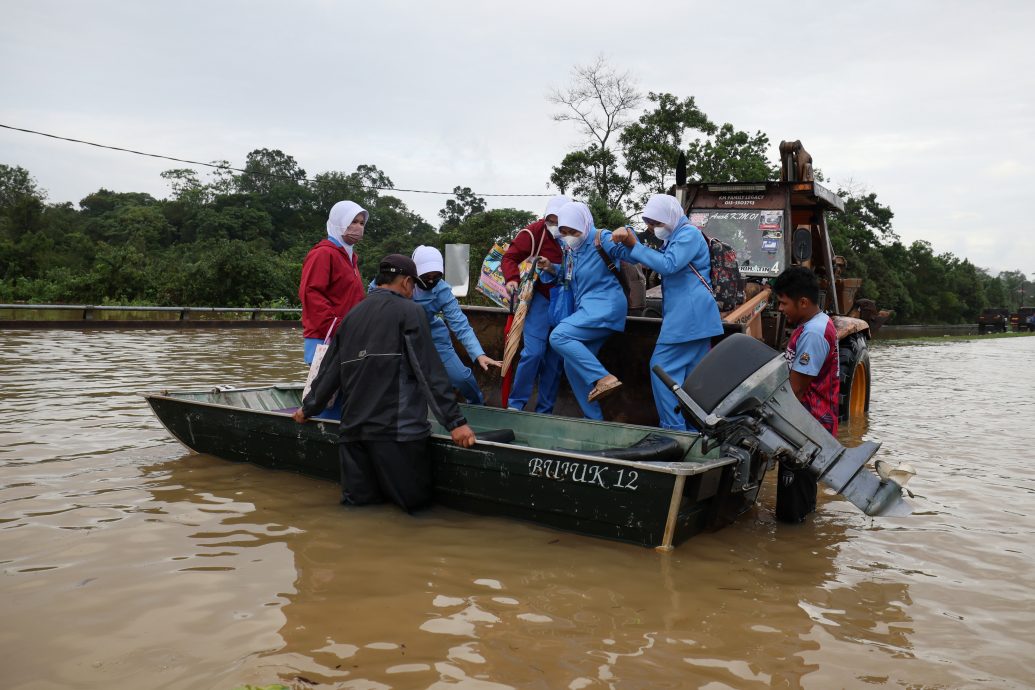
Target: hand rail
[184, 312]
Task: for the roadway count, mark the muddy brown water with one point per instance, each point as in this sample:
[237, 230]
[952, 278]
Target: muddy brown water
[127, 561]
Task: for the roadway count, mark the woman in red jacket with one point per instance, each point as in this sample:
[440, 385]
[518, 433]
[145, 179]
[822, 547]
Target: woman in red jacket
[331, 284]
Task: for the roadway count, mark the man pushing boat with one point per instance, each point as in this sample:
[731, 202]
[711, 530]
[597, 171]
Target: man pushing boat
[383, 363]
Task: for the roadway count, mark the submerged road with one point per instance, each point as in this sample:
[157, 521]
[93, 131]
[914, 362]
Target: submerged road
[129, 562]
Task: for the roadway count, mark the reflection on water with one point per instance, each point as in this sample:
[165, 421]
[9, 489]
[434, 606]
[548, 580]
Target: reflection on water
[129, 562]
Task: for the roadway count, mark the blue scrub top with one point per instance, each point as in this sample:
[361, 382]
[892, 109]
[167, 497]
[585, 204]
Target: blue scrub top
[443, 310]
[599, 299]
[688, 310]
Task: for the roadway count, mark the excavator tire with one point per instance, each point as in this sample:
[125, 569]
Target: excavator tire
[854, 361]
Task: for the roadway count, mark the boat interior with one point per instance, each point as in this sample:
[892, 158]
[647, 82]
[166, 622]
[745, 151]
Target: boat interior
[553, 433]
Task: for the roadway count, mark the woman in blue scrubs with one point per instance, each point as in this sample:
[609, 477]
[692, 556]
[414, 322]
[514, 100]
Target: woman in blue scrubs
[444, 315]
[600, 306]
[690, 316]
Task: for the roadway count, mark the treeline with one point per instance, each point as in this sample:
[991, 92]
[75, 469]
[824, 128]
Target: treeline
[232, 240]
[918, 284]
[239, 238]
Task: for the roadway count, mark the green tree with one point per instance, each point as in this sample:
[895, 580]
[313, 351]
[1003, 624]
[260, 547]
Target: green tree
[730, 155]
[362, 186]
[16, 183]
[275, 183]
[995, 292]
[1015, 285]
[232, 223]
[105, 201]
[186, 186]
[270, 171]
[458, 210]
[652, 144]
[143, 227]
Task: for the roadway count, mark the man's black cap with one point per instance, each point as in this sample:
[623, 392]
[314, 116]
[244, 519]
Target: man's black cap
[399, 264]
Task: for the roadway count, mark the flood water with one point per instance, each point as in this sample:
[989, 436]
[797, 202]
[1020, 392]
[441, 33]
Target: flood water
[126, 561]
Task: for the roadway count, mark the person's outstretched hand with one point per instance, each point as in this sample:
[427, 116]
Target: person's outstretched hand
[298, 416]
[463, 436]
[484, 361]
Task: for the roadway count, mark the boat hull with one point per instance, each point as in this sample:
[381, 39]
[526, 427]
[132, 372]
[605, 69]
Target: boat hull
[652, 504]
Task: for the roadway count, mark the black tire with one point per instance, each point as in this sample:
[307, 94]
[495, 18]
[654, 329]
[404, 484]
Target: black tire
[854, 370]
[981, 329]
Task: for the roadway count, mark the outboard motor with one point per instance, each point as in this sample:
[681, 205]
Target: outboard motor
[740, 396]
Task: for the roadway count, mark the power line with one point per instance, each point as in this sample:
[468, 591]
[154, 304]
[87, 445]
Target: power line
[241, 170]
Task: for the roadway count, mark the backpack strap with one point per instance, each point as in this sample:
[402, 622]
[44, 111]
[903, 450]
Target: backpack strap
[707, 287]
[703, 282]
[609, 262]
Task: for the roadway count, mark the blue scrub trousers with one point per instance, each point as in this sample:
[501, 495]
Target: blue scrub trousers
[460, 376]
[538, 361]
[309, 350]
[678, 360]
[578, 346]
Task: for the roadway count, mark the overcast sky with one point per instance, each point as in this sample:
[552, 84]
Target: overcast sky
[929, 104]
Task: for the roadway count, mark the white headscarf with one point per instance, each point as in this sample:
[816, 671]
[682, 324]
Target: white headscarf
[428, 259]
[575, 215]
[554, 205]
[341, 216]
[664, 208]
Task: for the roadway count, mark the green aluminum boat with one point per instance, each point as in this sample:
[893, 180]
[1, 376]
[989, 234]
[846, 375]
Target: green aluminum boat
[625, 482]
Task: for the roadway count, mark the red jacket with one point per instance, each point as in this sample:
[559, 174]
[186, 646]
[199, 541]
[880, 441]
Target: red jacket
[331, 286]
[521, 248]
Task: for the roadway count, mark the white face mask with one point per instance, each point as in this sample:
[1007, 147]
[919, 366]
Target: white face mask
[662, 233]
[574, 242]
[554, 231]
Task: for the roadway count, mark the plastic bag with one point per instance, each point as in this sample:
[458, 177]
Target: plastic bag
[314, 368]
[491, 282]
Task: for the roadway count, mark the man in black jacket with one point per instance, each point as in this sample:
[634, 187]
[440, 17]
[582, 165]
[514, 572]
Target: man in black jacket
[384, 364]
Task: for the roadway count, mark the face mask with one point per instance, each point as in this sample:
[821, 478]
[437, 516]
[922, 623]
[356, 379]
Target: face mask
[353, 234]
[662, 233]
[574, 242]
[554, 231]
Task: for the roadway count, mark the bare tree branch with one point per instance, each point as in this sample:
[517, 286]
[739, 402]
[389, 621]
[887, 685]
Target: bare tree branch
[599, 100]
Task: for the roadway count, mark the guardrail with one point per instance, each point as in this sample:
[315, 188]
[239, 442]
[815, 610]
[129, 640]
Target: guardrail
[36, 316]
[88, 311]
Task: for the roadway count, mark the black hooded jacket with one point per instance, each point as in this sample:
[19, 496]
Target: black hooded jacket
[384, 363]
